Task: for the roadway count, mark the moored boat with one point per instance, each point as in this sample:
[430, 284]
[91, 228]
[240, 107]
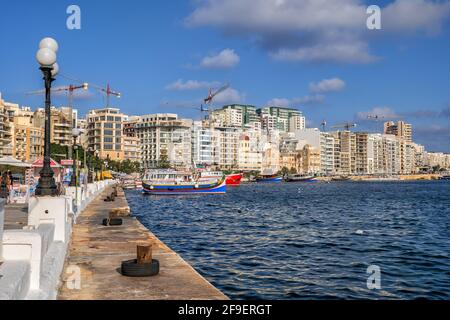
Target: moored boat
[269, 179]
[216, 187]
[231, 179]
[300, 178]
[234, 180]
[171, 182]
[444, 178]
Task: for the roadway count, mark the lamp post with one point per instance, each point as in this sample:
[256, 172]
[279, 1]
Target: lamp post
[74, 179]
[46, 56]
[90, 173]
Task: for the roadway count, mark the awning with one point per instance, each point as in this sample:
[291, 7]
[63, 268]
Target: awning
[39, 163]
[10, 161]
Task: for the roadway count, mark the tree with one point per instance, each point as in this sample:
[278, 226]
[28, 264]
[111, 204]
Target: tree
[164, 162]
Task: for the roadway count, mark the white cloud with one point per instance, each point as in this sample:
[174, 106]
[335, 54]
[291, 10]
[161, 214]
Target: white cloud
[311, 99]
[316, 31]
[327, 85]
[306, 100]
[225, 59]
[230, 95]
[415, 15]
[180, 85]
[279, 102]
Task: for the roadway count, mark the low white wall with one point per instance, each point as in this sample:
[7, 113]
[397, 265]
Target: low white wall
[34, 257]
[2, 222]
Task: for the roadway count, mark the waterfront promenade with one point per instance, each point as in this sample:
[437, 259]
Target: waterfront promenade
[98, 251]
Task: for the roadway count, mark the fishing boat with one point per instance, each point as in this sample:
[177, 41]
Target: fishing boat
[234, 180]
[341, 178]
[180, 183]
[269, 178]
[231, 179]
[299, 178]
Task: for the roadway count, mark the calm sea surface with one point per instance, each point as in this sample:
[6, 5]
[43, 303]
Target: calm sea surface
[311, 240]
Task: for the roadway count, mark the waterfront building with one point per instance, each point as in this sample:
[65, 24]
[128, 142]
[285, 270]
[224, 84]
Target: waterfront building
[235, 115]
[282, 119]
[132, 149]
[165, 140]
[399, 129]
[323, 141]
[105, 133]
[225, 143]
[249, 151]
[61, 124]
[391, 155]
[270, 148]
[202, 148]
[344, 152]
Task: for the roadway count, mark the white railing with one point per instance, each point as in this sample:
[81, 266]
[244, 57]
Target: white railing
[33, 258]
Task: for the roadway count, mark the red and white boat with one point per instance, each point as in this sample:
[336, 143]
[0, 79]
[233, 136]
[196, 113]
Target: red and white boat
[234, 179]
[230, 180]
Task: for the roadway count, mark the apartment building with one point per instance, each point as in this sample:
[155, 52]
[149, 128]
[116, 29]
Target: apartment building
[61, 124]
[249, 153]
[225, 147]
[235, 115]
[132, 149]
[202, 144]
[165, 139]
[105, 133]
[282, 119]
[399, 129]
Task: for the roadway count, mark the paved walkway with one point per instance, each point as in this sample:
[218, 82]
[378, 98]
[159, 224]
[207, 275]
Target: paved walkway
[98, 252]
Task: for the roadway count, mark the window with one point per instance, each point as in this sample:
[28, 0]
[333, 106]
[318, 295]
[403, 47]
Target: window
[108, 147]
[118, 147]
[118, 119]
[108, 132]
[108, 139]
[108, 125]
[118, 126]
[110, 118]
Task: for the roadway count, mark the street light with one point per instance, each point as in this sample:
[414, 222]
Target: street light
[74, 180]
[46, 56]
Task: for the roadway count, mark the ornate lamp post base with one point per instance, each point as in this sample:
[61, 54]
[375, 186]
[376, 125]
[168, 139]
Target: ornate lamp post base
[46, 185]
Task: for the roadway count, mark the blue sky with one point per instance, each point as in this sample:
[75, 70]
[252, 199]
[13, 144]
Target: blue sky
[163, 55]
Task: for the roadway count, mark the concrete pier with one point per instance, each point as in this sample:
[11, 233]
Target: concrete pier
[96, 253]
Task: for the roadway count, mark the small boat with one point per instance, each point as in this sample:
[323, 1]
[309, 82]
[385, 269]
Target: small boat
[341, 178]
[269, 178]
[231, 180]
[234, 180]
[299, 178]
[444, 178]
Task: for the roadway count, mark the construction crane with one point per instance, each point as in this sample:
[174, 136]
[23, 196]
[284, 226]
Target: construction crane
[108, 93]
[347, 126]
[375, 117]
[69, 89]
[209, 99]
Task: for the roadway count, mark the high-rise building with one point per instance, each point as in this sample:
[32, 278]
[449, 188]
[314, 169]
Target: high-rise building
[282, 119]
[235, 115]
[61, 124]
[400, 129]
[165, 140]
[105, 133]
[202, 144]
[132, 149]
